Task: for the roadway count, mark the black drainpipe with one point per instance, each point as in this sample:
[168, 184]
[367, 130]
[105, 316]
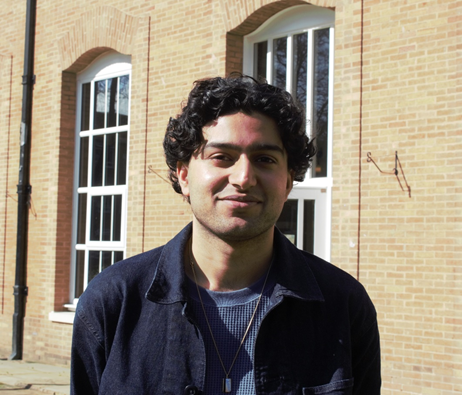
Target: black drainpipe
[24, 188]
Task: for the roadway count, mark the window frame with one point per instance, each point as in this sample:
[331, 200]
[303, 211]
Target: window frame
[288, 23]
[106, 66]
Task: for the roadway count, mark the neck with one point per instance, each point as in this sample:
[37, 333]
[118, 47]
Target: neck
[228, 265]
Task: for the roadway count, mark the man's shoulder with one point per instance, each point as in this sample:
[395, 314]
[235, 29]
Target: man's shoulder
[305, 266]
[130, 269]
[342, 291]
[324, 270]
[316, 278]
[133, 277]
[129, 277]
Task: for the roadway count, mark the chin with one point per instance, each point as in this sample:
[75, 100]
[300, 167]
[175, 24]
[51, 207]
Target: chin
[242, 233]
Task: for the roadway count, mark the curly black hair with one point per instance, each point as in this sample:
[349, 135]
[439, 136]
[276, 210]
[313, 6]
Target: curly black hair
[215, 97]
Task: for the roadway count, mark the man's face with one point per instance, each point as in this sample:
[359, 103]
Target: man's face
[238, 181]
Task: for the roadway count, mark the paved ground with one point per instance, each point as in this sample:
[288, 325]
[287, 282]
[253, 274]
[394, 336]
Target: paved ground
[30, 378]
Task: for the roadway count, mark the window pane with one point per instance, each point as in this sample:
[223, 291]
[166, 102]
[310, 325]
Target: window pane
[93, 264]
[102, 161]
[116, 226]
[299, 82]
[123, 100]
[280, 62]
[118, 256]
[100, 104]
[106, 259]
[95, 218]
[83, 165]
[79, 272]
[81, 218]
[107, 214]
[122, 159]
[97, 161]
[321, 99]
[287, 222]
[308, 225]
[85, 109]
[110, 159]
[260, 51]
[112, 102]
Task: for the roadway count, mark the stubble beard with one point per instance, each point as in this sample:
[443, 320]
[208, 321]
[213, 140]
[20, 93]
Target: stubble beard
[236, 229]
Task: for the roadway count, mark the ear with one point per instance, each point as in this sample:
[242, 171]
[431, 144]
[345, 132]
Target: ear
[182, 171]
[290, 182]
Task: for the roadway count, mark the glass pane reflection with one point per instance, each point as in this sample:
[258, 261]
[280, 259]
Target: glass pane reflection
[117, 217]
[83, 164]
[95, 225]
[123, 100]
[100, 104]
[85, 113]
[79, 272]
[321, 100]
[110, 159]
[280, 62]
[111, 105]
[107, 215]
[122, 158]
[287, 222]
[260, 51]
[81, 218]
[308, 226]
[299, 82]
[93, 264]
[97, 161]
[106, 259]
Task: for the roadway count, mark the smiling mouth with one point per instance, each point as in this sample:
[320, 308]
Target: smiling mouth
[241, 201]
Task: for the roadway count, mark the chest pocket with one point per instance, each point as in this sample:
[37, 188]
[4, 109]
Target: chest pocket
[342, 387]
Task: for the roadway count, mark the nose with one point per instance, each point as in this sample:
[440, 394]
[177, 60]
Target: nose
[242, 174]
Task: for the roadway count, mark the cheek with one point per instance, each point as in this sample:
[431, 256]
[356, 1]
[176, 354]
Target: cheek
[211, 178]
[205, 181]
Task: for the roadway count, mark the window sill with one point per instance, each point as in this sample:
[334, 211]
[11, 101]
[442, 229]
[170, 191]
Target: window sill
[63, 317]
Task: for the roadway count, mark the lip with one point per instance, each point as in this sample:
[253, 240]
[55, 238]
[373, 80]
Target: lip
[240, 201]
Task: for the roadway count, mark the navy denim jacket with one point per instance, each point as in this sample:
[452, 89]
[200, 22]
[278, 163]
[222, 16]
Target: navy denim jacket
[133, 332]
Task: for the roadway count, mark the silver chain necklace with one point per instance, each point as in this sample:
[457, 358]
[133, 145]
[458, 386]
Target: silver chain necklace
[227, 380]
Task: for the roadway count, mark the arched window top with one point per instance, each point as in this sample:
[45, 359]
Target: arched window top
[106, 65]
[293, 19]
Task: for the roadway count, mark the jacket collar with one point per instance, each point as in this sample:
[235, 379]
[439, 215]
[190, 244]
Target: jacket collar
[294, 277]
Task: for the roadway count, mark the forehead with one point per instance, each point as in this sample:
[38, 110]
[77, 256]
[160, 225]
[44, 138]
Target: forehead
[242, 129]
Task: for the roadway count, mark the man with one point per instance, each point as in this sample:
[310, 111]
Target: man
[229, 305]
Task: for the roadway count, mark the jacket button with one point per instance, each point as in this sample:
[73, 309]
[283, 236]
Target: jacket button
[191, 390]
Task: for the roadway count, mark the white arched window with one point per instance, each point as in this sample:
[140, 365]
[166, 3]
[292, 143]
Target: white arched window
[294, 51]
[101, 164]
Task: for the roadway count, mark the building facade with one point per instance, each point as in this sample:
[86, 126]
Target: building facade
[381, 84]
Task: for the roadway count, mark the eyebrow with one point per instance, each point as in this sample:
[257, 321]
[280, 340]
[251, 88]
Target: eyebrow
[252, 148]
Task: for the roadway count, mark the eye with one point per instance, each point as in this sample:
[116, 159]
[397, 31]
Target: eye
[266, 159]
[220, 157]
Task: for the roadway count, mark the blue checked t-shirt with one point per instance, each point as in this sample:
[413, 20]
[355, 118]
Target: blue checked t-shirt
[229, 314]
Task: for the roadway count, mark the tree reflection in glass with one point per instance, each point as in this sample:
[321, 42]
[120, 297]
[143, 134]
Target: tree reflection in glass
[321, 100]
[280, 62]
[300, 68]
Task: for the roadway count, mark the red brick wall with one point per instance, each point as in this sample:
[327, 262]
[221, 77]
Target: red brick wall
[404, 96]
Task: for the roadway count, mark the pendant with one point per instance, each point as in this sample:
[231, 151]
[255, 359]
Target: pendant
[226, 385]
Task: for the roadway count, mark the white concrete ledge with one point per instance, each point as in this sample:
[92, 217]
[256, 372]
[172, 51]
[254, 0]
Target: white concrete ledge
[64, 317]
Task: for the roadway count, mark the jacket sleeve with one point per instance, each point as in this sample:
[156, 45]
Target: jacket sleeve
[87, 357]
[366, 356]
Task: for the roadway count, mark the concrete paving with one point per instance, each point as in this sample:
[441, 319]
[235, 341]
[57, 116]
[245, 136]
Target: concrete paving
[30, 378]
